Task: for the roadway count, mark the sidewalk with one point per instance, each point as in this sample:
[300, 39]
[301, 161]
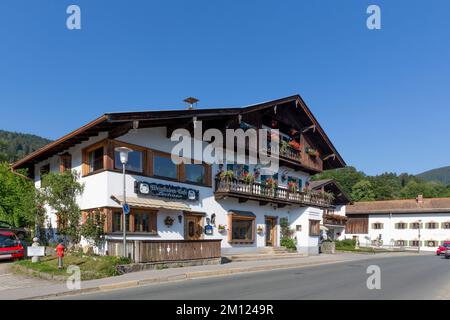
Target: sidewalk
[47, 289]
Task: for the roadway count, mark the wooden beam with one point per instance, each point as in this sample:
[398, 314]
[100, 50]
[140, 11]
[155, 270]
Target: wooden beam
[313, 128]
[120, 130]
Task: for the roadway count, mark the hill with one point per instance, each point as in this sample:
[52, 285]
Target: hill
[440, 175]
[15, 145]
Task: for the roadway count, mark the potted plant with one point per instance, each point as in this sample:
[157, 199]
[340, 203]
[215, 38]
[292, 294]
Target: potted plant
[226, 175]
[284, 147]
[295, 145]
[312, 152]
[248, 178]
[292, 186]
[221, 228]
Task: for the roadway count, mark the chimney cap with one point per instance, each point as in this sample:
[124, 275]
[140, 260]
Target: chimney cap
[191, 100]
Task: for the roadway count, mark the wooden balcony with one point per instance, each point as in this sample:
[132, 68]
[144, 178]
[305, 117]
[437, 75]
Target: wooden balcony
[293, 158]
[334, 220]
[265, 194]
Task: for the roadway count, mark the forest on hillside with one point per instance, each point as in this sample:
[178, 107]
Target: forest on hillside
[386, 186]
[14, 145]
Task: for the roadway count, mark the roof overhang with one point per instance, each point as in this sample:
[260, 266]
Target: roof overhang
[117, 124]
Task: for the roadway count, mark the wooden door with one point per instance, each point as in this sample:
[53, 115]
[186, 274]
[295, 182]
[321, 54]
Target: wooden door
[193, 227]
[270, 232]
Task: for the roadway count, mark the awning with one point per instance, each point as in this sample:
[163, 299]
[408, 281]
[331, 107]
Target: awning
[323, 228]
[134, 202]
[242, 213]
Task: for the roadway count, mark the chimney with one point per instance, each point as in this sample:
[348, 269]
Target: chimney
[192, 102]
[419, 200]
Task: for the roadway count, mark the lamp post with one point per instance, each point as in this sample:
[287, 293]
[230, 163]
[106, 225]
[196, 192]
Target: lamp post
[418, 246]
[123, 151]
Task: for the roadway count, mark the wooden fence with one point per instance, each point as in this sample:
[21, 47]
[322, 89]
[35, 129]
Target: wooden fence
[142, 251]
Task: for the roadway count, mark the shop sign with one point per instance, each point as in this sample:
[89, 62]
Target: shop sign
[166, 191]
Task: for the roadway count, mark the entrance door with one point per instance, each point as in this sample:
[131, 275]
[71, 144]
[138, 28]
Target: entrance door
[270, 232]
[193, 227]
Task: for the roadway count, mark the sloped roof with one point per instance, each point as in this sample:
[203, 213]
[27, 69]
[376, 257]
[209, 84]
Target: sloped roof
[332, 186]
[121, 122]
[429, 205]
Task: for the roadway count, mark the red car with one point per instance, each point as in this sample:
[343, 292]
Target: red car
[442, 248]
[10, 246]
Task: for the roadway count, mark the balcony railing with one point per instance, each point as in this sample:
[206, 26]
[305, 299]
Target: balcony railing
[268, 194]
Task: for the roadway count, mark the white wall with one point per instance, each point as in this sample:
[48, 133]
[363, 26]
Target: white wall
[100, 187]
[389, 232]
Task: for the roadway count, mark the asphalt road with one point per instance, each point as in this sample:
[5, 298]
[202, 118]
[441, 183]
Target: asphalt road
[402, 277]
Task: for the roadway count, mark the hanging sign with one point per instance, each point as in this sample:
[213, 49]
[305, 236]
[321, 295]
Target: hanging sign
[166, 191]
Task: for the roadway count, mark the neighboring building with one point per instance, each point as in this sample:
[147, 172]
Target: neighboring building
[176, 202]
[401, 223]
[334, 219]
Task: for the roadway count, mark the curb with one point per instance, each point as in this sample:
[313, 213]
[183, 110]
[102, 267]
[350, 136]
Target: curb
[182, 276]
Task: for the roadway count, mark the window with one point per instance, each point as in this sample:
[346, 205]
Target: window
[431, 243]
[377, 226]
[239, 170]
[135, 161]
[314, 227]
[400, 243]
[242, 229]
[401, 225]
[163, 166]
[415, 243]
[95, 159]
[65, 162]
[431, 225]
[415, 225]
[42, 172]
[194, 173]
[445, 225]
[144, 221]
[117, 222]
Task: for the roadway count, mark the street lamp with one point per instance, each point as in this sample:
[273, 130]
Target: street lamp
[123, 152]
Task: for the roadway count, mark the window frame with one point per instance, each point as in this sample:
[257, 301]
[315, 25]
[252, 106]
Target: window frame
[375, 224]
[116, 144]
[404, 224]
[233, 217]
[435, 225]
[64, 160]
[86, 151]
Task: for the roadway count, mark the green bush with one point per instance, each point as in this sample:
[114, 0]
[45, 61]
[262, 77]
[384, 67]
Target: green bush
[289, 243]
[347, 243]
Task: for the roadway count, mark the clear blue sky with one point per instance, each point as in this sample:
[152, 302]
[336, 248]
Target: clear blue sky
[382, 96]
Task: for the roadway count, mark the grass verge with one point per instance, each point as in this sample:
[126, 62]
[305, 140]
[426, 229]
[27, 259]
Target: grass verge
[91, 266]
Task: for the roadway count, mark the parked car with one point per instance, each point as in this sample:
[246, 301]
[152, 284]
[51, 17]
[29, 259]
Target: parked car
[442, 248]
[21, 233]
[10, 246]
[447, 254]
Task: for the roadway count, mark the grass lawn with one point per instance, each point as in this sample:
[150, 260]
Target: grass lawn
[92, 267]
[361, 249]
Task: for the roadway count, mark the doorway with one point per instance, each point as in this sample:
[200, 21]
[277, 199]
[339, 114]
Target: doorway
[271, 223]
[193, 227]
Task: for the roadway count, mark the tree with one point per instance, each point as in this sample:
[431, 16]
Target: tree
[386, 186]
[347, 177]
[363, 191]
[60, 192]
[427, 189]
[17, 197]
[93, 228]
